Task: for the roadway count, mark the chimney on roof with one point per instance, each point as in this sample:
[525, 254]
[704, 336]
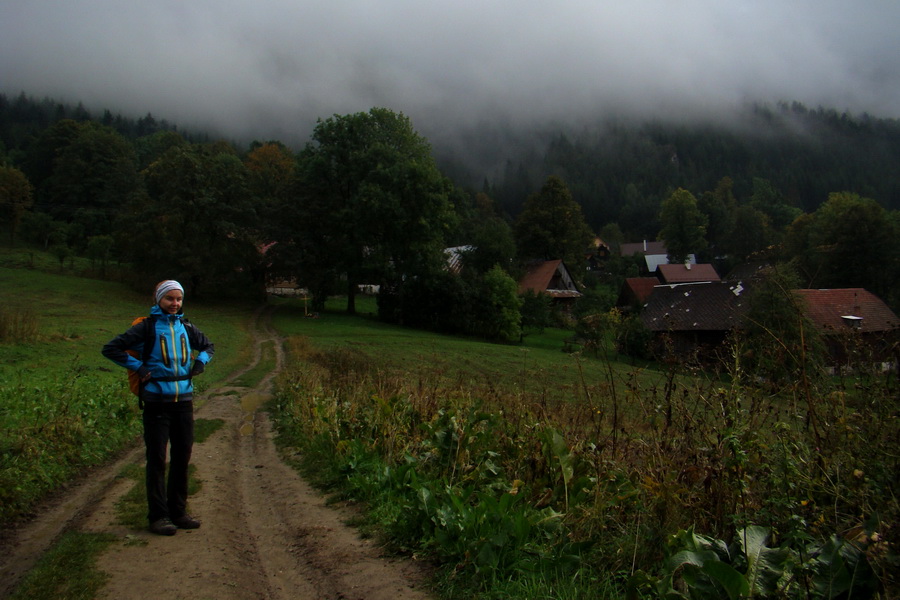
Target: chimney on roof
[852, 321]
[687, 264]
[645, 245]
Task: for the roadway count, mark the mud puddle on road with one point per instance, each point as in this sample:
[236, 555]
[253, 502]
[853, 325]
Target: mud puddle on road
[250, 403]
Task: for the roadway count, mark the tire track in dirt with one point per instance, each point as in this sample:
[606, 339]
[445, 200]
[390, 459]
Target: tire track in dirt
[266, 533]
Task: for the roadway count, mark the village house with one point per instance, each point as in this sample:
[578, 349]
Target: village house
[636, 291]
[653, 253]
[855, 325]
[454, 256]
[597, 255]
[686, 273]
[692, 320]
[551, 277]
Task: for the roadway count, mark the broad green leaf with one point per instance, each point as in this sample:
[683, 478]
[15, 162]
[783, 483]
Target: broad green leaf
[764, 565]
[734, 584]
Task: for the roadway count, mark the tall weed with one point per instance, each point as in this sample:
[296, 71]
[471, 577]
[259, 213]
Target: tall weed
[18, 326]
[594, 488]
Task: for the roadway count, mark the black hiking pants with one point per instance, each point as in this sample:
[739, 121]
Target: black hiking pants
[168, 424]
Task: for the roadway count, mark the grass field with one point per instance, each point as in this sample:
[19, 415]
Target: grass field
[537, 366]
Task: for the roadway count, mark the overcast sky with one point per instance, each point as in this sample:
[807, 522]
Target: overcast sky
[266, 69]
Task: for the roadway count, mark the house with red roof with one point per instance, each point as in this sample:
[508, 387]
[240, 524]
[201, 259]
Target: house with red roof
[550, 277]
[635, 292]
[653, 254]
[853, 321]
[686, 273]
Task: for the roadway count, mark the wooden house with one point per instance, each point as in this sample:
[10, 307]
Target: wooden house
[692, 320]
[550, 277]
[855, 324]
[636, 291]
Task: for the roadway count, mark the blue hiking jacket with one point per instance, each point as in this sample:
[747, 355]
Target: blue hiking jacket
[169, 359]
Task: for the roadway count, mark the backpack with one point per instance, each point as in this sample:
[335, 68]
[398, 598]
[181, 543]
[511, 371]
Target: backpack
[134, 380]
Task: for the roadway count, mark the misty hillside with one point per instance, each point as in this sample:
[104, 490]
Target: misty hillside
[618, 170]
[621, 171]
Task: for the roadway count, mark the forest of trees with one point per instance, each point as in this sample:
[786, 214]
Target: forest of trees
[622, 172]
[367, 201]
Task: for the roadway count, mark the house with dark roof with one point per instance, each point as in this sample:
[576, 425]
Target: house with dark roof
[636, 291]
[853, 320]
[692, 320]
[597, 255]
[550, 277]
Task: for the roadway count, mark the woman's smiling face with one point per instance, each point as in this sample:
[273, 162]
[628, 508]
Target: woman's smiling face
[171, 302]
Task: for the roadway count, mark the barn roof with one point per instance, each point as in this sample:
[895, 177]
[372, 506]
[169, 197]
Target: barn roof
[840, 309]
[711, 306]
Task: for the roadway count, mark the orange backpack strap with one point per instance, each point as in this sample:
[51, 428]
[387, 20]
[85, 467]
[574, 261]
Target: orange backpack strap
[134, 381]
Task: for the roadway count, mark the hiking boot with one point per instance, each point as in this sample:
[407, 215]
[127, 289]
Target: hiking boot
[163, 526]
[186, 522]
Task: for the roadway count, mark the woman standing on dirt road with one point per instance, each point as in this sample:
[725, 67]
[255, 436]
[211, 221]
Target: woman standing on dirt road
[160, 349]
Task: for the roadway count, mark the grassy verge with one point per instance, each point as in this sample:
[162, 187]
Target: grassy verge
[67, 572]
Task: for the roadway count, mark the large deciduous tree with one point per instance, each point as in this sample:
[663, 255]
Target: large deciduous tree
[851, 243]
[552, 226]
[372, 204]
[683, 225]
[490, 237]
[750, 233]
[194, 222]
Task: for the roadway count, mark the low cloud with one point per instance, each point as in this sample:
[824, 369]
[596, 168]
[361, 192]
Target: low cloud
[270, 68]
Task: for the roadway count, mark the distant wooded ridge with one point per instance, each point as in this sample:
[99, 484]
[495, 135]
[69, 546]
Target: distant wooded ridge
[618, 171]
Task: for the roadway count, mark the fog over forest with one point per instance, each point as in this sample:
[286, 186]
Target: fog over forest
[269, 69]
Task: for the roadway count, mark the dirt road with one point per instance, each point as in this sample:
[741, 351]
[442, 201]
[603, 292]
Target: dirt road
[265, 533]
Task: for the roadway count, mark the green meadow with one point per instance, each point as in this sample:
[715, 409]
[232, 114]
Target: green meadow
[518, 471]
